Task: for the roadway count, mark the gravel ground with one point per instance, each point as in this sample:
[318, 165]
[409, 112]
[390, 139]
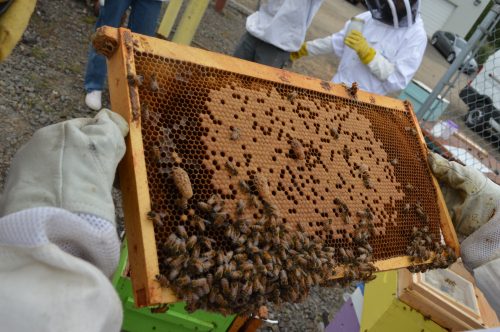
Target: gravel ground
[42, 83]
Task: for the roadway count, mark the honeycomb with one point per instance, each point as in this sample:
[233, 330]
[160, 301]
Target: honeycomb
[203, 119]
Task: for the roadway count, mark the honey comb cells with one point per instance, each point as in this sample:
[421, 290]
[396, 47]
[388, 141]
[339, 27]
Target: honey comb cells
[190, 123]
[246, 185]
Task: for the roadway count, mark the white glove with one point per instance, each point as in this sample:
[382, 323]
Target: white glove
[470, 196]
[381, 67]
[70, 165]
[320, 46]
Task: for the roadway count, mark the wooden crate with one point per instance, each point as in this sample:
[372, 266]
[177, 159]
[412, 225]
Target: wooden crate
[184, 104]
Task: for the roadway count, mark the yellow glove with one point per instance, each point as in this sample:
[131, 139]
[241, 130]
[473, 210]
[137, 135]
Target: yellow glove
[358, 43]
[13, 22]
[300, 53]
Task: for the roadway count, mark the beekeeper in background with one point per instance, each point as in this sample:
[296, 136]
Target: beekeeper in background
[277, 28]
[383, 53]
[142, 19]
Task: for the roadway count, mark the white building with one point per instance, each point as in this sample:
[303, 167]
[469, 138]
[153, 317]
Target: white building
[456, 16]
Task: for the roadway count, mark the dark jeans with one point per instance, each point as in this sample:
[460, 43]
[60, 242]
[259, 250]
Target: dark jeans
[143, 18]
[256, 50]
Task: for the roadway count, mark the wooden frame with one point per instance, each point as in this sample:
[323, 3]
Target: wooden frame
[118, 45]
[442, 309]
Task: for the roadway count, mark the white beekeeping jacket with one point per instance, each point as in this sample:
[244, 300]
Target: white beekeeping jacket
[54, 269]
[283, 23]
[402, 48]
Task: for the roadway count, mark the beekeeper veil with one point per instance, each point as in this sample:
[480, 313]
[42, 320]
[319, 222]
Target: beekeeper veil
[398, 13]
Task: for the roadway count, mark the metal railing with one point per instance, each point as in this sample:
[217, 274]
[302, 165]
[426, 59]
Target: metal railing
[461, 116]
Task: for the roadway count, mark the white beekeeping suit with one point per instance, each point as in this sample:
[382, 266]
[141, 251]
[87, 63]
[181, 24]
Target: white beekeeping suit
[58, 241]
[283, 23]
[385, 55]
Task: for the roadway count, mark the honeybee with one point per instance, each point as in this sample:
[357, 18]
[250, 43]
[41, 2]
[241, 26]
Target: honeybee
[183, 281]
[219, 218]
[191, 242]
[233, 171]
[155, 218]
[199, 223]
[407, 208]
[353, 90]
[247, 289]
[240, 207]
[145, 112]
[334, 133]
[344, 210]
[154, 83]
[200, 282]
[412, 130]
[219, 272]
[291, 96]
[207, 242]
[204, 207]
[298, 149]
[182, 231]
[255, 202]
[235, 134]
[283, 277]
[346, 152]
[328, 225]
[367, 182]
[225, 286]
[244, 186]
[162, 280]
[176, 158]
[257, 286]
[160, 309]
[231, 232]
[234, 291]
[420, 212]
[135, 80]
[156, 153]
[173, 274]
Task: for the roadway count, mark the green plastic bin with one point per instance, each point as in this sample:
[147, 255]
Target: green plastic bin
[175, 319]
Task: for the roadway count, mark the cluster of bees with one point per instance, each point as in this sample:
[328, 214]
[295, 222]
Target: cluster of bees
[424, 247]
[357, 263]
[265, 260]
[260, 261]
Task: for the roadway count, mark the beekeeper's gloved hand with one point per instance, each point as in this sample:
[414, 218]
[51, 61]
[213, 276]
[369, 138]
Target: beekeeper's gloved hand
[474, 202]
[300, 53]
[471, 197]
[69, 165]
[358, 43]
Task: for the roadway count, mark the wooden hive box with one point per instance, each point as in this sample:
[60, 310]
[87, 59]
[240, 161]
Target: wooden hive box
[320, 160]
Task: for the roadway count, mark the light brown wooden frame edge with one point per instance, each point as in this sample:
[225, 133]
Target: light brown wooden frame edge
[142, 249]
[136, 201]
[447, 228]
